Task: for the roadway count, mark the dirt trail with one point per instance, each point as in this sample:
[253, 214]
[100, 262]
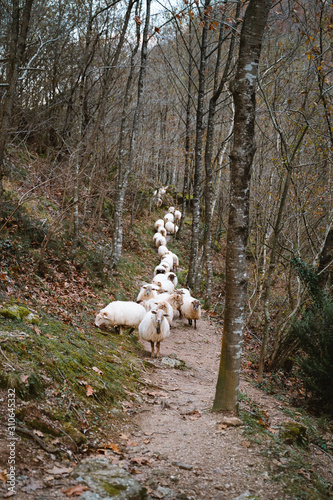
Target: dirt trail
[170, 440]
[189, 456]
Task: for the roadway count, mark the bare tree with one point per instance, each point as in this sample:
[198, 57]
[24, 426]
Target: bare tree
[243, 89]
[17, 43]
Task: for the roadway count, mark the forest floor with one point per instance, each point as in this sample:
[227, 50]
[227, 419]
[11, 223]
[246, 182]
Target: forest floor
[171, 442]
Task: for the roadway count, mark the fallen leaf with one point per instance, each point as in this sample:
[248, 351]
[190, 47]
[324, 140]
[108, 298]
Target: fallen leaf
[4, 476]
[124, 436]
[90, 390]
[141, 461]
[246, 444]
[24, 379]
[38, 433]
[75, 491]
[36, 330]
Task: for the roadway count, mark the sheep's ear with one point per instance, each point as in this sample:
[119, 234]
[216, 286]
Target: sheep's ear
[104, 315]
[153, 312]
[165, 314]
[138, 301]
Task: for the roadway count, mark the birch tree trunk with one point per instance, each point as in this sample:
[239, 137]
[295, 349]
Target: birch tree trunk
[209, 190]
[243, 89]
[125, 169]
[194, 256]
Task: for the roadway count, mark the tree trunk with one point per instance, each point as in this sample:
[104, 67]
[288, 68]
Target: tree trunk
[194, 256]
[125, 170]
[243, 89]
[187, 133]
[17, 44]
[209, 190]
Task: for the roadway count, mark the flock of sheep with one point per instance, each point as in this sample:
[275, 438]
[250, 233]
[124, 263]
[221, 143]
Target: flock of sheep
[153, 312]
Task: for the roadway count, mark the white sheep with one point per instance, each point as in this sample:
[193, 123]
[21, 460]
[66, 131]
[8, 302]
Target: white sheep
[167, 259]
[159, 223]
[177, 215]
[175, 260]
[154, 328]
[162, 231]
[170, 227]
[146, 292]
[171, 210]
[168, 218]
[172, 277]
[159, 277]
[165, 285]
[191, 310]
[162, 250]
[159, 270]
[120, 314]
[153, 305]
[159, 240]
[175, 299]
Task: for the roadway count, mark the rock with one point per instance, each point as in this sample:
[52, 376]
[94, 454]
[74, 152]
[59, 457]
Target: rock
[231, 421]
[294, 433]
[244, 496]
[14, 311]
[107, 481]
[76, 435]
[163, 492]
[183, 466]
[173, 362]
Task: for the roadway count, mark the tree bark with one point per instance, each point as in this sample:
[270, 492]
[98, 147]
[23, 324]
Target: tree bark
[17, 44]
[243, 89]
[124, 170]
[194, 256]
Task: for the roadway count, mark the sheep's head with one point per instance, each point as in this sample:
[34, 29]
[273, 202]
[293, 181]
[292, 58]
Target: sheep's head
[171, 277]
[177, 300]
[196, 305]
[102, 319]
[159, 318]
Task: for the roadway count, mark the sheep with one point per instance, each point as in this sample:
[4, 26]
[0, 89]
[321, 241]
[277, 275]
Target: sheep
[162, 250]
[146, 292]
[170, 227]
[162, 190]
[178, 215]
[167, 259]
[159, 223]
[165, 285]
[159, 277]
[191, 310]
[168, 218]
[159, 240]
[175, 299]
[162, 231]
[154, 328]
[171, 210]
[175, 260]
[153, 305]
[173, 278]
[159, 270]
[120, 314]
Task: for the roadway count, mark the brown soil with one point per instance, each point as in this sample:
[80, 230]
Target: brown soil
[170, 440]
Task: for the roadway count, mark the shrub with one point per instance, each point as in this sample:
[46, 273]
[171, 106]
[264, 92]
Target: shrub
[315, 334]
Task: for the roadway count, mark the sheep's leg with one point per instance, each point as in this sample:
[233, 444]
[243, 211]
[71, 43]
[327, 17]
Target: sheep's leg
[152, 349]
[158, 349]
[180, 314]
[195, 323]
[190, 322]
[130, 331]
